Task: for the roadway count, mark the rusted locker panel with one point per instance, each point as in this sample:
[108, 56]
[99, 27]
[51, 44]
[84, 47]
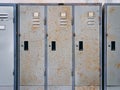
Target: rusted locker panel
[87, 47]
[112, 43]
[32, 88]
[7, 46]
[32, 30]
[59, 46]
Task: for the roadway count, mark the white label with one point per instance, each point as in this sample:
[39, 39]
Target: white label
[36, 14]
[91, 14]
[63, 15]
[2, 27]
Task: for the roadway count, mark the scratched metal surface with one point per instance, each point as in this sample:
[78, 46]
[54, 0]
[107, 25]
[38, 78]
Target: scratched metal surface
[87, 88]
[6, 47]
[113, 34]
[6, 88]
[32, 61]
[59, 61]
[32, 88]
[87, 62]
[59, 88]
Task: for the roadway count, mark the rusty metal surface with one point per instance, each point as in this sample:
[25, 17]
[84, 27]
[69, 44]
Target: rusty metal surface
[113, 34]
[32, 87]
[59, 61]
[87, 62]
[32, 61]
[59, 88]
[87, 88]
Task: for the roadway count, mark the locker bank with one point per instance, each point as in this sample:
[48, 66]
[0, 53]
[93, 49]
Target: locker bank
[7, 46]
[60, 46]
[111, 43]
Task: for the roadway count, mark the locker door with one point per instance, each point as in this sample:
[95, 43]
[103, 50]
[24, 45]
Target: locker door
[59, 47]
[6, 47]
[87, 47]
[113, 47]
[31, 47]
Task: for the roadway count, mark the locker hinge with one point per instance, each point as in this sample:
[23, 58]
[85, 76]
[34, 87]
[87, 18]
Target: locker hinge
[73, 34]
[45, 21]
[99, 20]
[13, 72]
[72, 21]
[46, 35]
[106, 35]
[19, 34]
[44, 73]
[13, 20]
[72, 73]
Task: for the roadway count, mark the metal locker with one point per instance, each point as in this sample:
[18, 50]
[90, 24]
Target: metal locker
[59, 29]
[32, 35]
[7, 46]
[111, 43]
[88, 34]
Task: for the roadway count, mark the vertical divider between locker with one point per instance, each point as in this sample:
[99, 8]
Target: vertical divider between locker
[100, 43]
[46, 51]
[18, 46]
[73, 49]
[105, 47]
[15, 48]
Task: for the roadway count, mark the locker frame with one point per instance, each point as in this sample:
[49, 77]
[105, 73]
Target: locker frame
[46, 42]
[15, 41]
[105, 42]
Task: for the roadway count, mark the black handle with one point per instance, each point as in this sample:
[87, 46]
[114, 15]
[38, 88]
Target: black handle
[26, 45]
[80, 45]
[53, 43]
[112, 45]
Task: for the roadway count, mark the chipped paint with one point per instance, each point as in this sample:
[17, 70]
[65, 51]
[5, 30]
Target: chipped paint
[117, 66]
[111, 10]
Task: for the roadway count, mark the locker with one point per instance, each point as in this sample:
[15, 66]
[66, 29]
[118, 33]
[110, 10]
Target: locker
[59, 30]
[111, 43]
[7, 46]
[31, 38]
[88, 34]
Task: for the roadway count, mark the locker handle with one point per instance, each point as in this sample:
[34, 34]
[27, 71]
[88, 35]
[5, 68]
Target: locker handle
[26, 45]
[53, 43]
[80, 45]
[112, 45]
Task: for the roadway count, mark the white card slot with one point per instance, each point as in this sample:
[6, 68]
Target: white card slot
[2, 27]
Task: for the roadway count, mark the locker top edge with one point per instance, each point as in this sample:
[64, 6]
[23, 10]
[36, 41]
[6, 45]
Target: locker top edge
[111, 4]
[7, 4]
[57, 4]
